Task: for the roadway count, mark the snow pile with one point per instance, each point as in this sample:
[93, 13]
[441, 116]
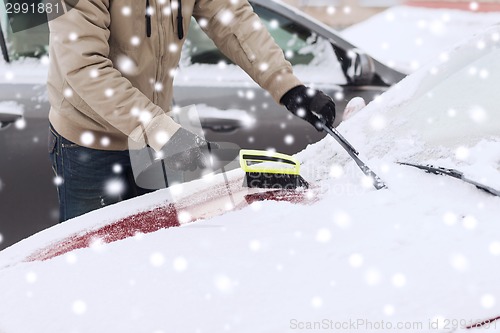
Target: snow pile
[420, 256]
[11, 107]
[25, 71]
[422, 34]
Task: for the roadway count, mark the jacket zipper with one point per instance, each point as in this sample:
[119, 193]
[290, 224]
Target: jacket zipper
[161, 48]
[180, 27]
[148, 20]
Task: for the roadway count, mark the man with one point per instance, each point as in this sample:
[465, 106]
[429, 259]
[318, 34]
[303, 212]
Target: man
[110, 80]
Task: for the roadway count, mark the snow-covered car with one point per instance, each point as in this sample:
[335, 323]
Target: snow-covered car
[419, 256]
[231, 107]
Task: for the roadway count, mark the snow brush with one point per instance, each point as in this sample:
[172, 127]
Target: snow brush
[264, 169]
[378, 183]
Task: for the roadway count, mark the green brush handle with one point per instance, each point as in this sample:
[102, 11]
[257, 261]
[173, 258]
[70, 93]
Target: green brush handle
[261, 156]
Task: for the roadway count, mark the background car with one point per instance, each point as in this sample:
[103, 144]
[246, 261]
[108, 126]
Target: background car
[225, 97]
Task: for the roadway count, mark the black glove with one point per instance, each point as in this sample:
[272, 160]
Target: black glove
[311, 105]
[187, 151]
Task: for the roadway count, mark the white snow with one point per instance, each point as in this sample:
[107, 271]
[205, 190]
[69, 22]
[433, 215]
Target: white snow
[423, 253]
[11, 107]
[24, 71]
[422, 34]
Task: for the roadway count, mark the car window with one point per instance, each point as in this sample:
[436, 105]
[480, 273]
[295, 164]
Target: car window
[296, 41]
[25, 41]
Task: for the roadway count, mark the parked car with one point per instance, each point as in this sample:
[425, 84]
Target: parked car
[409, 258]
[222, 92]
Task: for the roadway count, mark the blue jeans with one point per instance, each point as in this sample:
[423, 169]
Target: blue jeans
[88, 179]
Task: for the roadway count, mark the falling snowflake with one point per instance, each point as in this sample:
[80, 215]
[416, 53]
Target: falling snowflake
[115, 187]
[9, 75]
[488, 301]
[135, 41]
[157, 259]
[459, 262]
[452, 113]
[255, 245]
[45, 60]
[323, 235]
[184, 217]
[87, 138]
[356, 260]
[462, 153]
[336, 171]
[58, 180]
[389, 309]
[342, 220]
[444, 57]
[203, 23]
[79, 307]
[494, 248]
[1, 184]
[109, 92]
[73, 36]
[31, 277]
[162, 137]
[68, 92]
[20, 124]
[71, 258]
[250, 95]
[399, 280]
[450, 218]
[378, 122]
[469, 222]
[180, 264]
[94, 73]
[263, 66]
[145, 117]
[117, 168]
[478, 114]
[1, 238]
[225, 17]
[367, 182]
[125, 65]
[126, 11]
[316, 302]
[373, 277]
[105, 141]
[224, 284]
[97, 245]
[289, 139]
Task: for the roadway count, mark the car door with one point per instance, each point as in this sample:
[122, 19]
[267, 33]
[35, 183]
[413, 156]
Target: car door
[28, 197]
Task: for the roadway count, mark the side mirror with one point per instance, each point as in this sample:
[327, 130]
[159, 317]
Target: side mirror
[361, 69]
[7, 119]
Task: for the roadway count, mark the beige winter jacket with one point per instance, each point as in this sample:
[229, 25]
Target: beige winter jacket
[108, 80]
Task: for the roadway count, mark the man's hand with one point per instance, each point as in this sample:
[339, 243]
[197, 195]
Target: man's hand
[187, 151]
[311, 105]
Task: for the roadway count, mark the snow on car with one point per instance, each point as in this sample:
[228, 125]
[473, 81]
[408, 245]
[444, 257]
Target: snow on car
[419, 256]
[423, 33]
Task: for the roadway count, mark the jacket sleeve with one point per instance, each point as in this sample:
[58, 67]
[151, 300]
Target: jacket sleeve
[239, 34]
[79, 42]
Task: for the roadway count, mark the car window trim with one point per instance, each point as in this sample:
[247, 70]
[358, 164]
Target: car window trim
[3, 46]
